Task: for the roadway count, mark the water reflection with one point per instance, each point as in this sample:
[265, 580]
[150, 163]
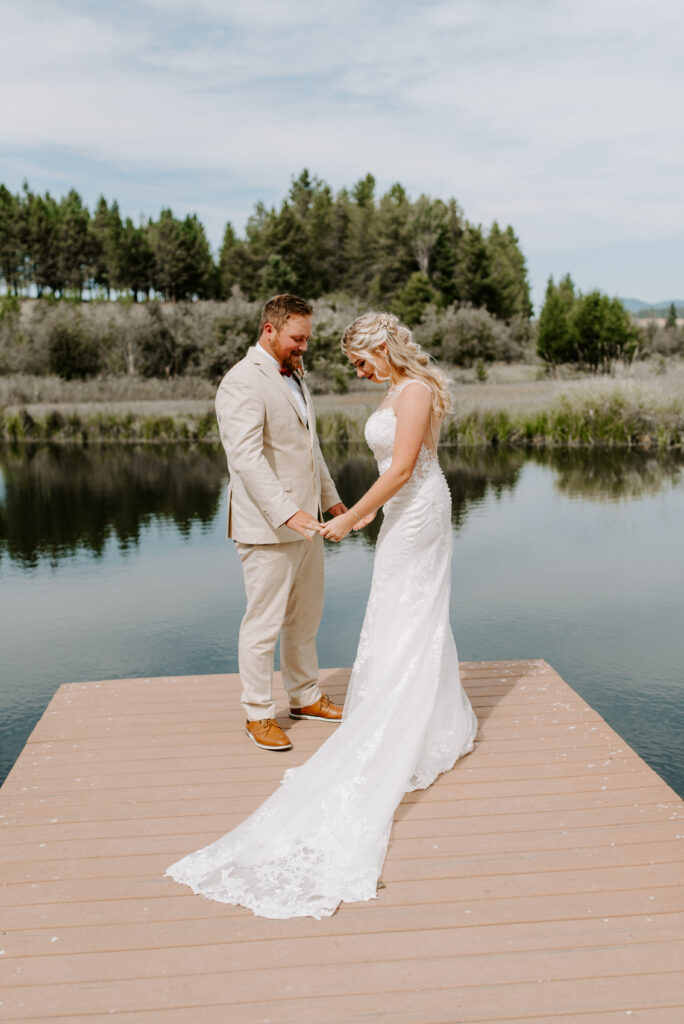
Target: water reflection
[470, 474]
[604, 475]
[473, 473]
[57, 500]
[147, 585]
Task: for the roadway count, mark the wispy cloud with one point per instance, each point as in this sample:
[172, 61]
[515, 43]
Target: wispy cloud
[563, 120]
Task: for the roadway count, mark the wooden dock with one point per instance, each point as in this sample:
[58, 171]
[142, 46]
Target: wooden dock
[540, 880]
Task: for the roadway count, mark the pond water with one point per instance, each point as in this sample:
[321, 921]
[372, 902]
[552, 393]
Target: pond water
[114, 563]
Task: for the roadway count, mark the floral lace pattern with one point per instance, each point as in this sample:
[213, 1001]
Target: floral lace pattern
[320, 839]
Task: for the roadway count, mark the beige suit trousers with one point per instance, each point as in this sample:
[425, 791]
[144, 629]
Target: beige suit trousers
[284, 585]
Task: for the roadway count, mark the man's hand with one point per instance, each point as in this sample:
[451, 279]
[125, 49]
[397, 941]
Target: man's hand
[337, 510]
[302, 522]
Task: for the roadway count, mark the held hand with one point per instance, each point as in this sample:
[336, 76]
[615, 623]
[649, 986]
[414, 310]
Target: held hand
[302, 522]
[338, 528]
[337, 510]
[364, 521]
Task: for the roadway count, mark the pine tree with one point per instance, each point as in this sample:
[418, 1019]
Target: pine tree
[231, 262]
[428, 219]
[277, 276]
[671, 321]
[107, 243]
[12, 245]
[137, 260]
[197, 266]
[394, 260]
[413, 299]
[360, 249]
[165, 241]
[44, 243]
[338, 242]
[318, 219]
[604, 331]
[75, 242]
[474, 269]
[445, 255]
[556, 335]
[257, 250]
[510, 291]
[290, 243]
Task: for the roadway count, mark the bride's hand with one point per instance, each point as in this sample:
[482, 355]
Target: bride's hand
[337, 529]
[365, 521]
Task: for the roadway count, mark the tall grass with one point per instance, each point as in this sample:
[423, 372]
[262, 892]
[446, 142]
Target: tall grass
[602, 413]
[76, 427]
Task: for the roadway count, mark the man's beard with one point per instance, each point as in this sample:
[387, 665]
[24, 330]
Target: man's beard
[293, 362]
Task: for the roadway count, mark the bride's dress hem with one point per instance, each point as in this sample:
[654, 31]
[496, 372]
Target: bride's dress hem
[277, 913]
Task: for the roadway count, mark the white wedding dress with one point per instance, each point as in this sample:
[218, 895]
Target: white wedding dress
[321, 838]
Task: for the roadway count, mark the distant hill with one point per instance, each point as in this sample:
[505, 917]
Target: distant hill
[640, 308]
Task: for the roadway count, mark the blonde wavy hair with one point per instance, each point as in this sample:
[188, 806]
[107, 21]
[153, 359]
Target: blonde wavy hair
[368, 332]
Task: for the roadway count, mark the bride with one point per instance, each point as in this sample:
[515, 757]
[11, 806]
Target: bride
[321, 838]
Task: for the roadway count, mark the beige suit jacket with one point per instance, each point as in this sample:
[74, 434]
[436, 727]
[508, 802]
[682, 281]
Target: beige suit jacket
[274, 459]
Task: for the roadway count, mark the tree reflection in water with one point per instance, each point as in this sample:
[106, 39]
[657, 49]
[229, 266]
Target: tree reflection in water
[59, 503]
[473, 473]
[470, 474]
[58, 500]
[609, 475]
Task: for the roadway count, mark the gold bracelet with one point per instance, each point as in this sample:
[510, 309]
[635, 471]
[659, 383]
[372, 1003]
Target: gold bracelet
[355, 514]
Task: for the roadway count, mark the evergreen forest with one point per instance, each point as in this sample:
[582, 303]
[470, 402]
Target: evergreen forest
[86, 294]
[386, 250]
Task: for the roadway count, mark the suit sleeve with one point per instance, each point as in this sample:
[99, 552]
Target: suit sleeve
[241, 413]
[329, 495]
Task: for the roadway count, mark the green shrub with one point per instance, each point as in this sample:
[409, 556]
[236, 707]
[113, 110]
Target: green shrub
[591, 330]
[53, 424]
[465, 335]
[72, 353]
[206, 426]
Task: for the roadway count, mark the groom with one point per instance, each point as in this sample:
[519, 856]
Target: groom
[279, 488]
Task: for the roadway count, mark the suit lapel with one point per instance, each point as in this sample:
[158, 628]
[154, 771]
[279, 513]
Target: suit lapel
[309, 412]
[268, 367]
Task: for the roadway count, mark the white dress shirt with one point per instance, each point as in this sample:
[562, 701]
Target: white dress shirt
[292, 384]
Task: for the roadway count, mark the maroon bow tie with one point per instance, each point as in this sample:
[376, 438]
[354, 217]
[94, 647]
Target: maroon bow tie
[287, 372]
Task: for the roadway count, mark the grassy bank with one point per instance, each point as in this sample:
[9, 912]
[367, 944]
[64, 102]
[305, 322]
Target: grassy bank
[88, 428]
[597, 415]
[615, 418]
[600, 413]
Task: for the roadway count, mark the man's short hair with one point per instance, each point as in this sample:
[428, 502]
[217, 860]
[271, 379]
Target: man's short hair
[280, 308]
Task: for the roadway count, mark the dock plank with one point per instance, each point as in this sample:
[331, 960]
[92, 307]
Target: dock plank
[540, 880]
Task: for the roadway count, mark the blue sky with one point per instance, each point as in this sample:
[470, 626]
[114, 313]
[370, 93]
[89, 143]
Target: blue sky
[562, 119]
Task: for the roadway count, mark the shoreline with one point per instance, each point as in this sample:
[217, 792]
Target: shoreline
[561, 425]
[514, 408]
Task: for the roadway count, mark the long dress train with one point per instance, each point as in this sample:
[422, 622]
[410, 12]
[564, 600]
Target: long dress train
[321, 838]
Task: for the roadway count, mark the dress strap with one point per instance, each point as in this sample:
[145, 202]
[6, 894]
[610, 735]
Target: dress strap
[397, 390]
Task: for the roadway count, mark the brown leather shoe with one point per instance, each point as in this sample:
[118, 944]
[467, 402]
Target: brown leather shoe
[267, 734]
[323, 710]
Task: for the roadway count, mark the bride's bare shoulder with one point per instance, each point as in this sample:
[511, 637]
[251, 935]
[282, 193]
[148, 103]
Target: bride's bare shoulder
[407, 394]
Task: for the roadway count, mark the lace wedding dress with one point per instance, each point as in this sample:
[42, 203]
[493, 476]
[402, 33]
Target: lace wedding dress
[321, 838]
